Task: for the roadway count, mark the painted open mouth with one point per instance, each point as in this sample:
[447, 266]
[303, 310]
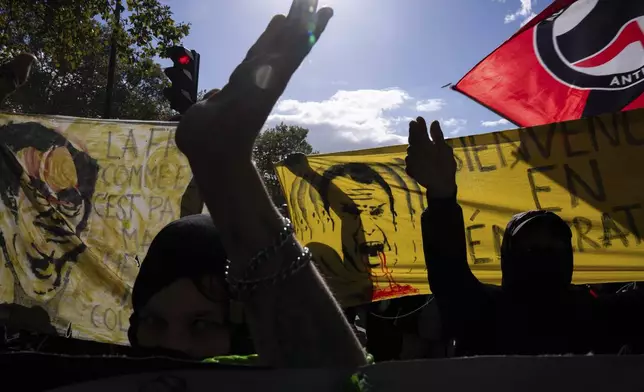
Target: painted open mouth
[372, 248]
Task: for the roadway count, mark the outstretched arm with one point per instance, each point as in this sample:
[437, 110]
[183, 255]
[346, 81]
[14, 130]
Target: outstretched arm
[294, 320]
[431, 163]
[448, 272]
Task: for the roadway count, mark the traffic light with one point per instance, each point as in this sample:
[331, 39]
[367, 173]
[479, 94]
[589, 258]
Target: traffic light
[184, 75]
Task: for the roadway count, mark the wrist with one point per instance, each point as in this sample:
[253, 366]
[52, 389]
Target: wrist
[446, 197]
[223, 165]
[238, 204]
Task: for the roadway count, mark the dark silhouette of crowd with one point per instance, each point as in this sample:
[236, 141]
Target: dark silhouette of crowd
[536, 310]
[236, 282]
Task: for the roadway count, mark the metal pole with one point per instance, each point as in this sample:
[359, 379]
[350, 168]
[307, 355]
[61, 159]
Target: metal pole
[197, 58]
[111, 70]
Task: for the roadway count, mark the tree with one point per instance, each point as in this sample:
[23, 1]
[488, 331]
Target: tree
[71, 39]
[274, 145]
[137, 93]
[67, 29]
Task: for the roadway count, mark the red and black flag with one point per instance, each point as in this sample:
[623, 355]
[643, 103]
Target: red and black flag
[578, 58]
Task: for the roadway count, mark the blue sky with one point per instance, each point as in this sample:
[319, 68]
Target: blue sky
[378, 64]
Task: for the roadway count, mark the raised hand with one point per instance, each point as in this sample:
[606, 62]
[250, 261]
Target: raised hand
[224, 127]
[431, 161]
[217, 136]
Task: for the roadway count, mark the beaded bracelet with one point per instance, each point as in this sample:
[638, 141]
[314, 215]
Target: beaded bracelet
[250, 285]
[265, 254]
[247, 284]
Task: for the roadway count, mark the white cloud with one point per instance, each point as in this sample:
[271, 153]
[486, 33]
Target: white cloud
[524, 13]
[528, 19]
[349, 119]
[454, 122]
[430, 105]
[494, 124]
[454, 125]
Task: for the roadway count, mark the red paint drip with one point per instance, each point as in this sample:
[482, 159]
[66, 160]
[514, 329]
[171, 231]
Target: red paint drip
[394, 290]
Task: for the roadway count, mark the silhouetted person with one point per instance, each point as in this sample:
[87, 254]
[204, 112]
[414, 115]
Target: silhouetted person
[180, 299]
[269, 269]
[536, 310]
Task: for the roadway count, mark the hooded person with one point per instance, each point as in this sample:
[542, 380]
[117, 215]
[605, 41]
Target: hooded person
[181, 302]
[536, 310]
[536, 255]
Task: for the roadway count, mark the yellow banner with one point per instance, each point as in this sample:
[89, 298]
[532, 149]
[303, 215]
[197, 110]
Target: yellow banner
[81, 200]
[360, 213]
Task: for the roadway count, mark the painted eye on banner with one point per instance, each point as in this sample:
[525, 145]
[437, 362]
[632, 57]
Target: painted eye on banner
[54, 167]
[58, 170]
[30, 158]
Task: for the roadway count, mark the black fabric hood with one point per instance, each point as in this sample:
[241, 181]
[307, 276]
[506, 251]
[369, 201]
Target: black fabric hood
[525, 220]
[522, 224]
[187, 248]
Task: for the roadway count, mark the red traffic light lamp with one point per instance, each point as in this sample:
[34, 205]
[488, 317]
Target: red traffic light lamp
[184, 60]
[184, 75]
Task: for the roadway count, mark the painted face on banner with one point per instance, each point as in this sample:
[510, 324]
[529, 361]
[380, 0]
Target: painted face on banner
[369, 219]
[46, 194]
[369, 225]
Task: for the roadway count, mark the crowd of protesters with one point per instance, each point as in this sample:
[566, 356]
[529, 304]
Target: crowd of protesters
[236, 282]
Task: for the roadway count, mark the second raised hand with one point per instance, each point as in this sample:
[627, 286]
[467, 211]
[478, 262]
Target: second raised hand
[225, 126]
[430, 161]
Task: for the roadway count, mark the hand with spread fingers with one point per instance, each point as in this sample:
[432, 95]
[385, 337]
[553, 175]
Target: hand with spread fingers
[225, 126]
[431, 161]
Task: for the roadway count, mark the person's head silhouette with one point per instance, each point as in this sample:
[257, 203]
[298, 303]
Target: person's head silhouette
[180, 299]
[536, 254]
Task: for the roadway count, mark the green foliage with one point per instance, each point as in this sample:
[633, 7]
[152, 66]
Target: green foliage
[67, 29]
[71, 39]
[274, 145]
